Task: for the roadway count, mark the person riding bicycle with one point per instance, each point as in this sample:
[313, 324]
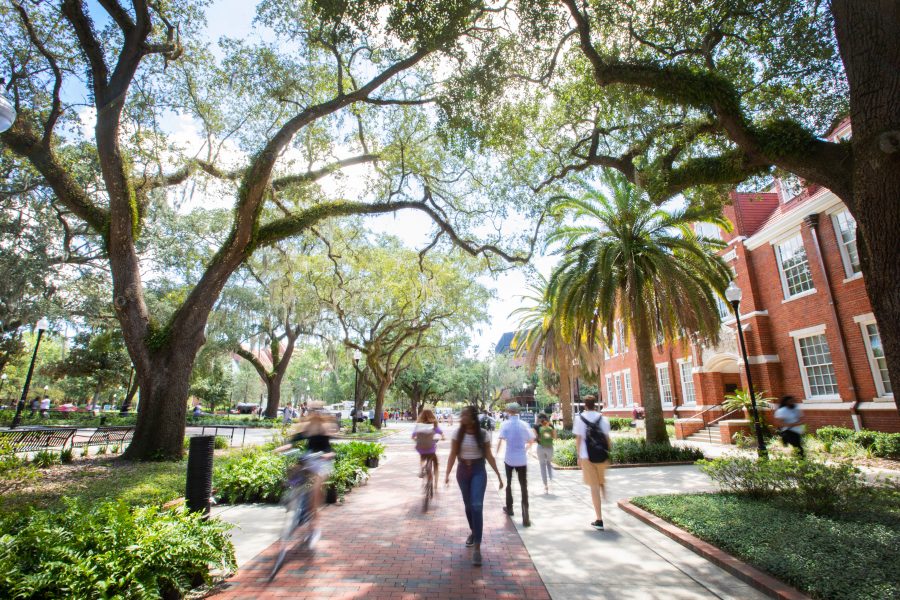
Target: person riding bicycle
[424, 434]
[316, 428]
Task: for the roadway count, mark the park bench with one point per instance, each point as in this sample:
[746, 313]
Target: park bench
[231, 429]
[38, 438]
[104, 436]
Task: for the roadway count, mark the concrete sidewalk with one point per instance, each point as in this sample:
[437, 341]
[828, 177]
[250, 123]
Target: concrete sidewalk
[629, 560]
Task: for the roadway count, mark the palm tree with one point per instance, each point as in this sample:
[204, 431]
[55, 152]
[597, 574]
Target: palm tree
[541, 337]
[629, 260]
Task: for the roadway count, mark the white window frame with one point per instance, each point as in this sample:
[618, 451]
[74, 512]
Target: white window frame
[668, 385]
[863, 321]
[687, 399]
[629, 391]
[809, 332]
[842, 245]
[780, 264]
[708, 230]
[610, 396]
[619, 392]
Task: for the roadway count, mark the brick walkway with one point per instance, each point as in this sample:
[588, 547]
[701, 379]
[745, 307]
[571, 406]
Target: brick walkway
[378, 544]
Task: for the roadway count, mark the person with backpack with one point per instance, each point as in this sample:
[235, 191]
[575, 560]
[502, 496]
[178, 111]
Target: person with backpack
[592, 439]
[424, 434]
[519, 436]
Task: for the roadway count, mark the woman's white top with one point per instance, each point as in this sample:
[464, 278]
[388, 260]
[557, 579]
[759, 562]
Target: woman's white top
[468, 448]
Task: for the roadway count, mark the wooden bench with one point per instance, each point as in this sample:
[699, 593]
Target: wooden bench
[215, 431]
[104, 436]
[36, 439]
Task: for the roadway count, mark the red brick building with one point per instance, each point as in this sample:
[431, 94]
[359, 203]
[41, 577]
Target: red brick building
[806, 316]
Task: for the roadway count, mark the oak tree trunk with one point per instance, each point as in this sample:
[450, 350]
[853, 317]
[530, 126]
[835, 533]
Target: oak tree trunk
[273, 390]
[380, 395]
[653, 413]
[868, 35]
[159, 433]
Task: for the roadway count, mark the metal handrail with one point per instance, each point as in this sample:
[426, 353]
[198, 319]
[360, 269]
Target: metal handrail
[706, 424]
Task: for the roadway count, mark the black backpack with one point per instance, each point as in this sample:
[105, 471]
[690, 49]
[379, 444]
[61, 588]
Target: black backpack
[596, 441]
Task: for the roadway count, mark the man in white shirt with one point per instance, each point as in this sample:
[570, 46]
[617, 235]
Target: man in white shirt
[594, 473]
[519, 437]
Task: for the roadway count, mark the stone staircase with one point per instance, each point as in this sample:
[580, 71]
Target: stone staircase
[705, 435]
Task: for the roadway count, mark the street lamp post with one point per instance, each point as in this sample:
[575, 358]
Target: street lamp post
[3, 379]
[733, 294]
[41, 325]
[356, 356]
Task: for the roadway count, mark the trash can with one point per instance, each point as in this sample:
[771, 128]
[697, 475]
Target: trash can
[199, 473]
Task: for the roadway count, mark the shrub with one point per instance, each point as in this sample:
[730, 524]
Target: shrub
[828, 435]
[564, 453]
[114, 449]
[221, 442]
[565, 434]
[85, 451]
[743, 439]
[102, 450]
[865, 438]
[252, 475]
[345, 475]
[618, 423]
[358, 452]
[14, 471]
[110, 551]
[814, 486]
[670, 422]
[66, 456]
[887, 445]
[635, 451]
[45, 459]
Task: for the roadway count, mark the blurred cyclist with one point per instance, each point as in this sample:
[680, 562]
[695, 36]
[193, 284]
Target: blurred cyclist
[316, 428]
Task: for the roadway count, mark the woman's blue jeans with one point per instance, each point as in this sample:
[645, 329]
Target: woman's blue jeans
[472, 480]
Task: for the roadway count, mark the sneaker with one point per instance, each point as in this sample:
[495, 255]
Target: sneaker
[507, 511]
[526, 523]
[546, 489]
[598, 525]
[476, 558]
[314, 538]
[470, 541]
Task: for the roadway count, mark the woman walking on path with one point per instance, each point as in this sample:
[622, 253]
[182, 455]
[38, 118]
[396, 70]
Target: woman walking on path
[545, 436]
[471, 447]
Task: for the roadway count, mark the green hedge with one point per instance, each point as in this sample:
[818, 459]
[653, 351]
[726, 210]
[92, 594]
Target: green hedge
[252, 475]
[817, 487]
[635, 451]
[850, 556]
[110, 550]
[258, 474]
[876, 443]
[627, 451]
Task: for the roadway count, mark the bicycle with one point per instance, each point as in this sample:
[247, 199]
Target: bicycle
[297, 500]
[428, 485]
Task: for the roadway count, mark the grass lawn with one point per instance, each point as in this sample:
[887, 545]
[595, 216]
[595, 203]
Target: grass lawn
[854, 555]
[97, 479]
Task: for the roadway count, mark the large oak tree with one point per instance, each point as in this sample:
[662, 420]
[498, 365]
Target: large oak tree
[287, 112]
